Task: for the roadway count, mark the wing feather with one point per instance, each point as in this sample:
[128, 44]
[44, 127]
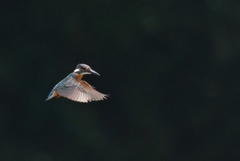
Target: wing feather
[92, 93]
[78, 91]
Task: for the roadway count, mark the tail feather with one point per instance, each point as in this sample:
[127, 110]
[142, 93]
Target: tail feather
[50, 96]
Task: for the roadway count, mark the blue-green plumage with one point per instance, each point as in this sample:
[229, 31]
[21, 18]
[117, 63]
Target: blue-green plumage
[72, 87]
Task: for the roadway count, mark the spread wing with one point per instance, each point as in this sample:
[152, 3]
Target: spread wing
[78, 91]
[92, 93]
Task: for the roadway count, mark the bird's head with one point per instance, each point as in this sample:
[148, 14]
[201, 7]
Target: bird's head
[85, 69]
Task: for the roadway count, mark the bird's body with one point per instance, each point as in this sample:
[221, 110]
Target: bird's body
[76, 89]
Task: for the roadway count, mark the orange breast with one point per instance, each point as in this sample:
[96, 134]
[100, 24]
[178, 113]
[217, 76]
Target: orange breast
[79, 77]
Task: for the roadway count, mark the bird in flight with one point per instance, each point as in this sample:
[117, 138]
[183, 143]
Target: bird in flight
[76, 89]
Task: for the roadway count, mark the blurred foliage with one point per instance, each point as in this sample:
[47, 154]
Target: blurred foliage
[171, 69]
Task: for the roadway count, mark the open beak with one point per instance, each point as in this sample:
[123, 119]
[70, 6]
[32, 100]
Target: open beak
[94, 72]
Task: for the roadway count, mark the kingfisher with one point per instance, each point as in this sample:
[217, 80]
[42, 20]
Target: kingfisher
[76, 89]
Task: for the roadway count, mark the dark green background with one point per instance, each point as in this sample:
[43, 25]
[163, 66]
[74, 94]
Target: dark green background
[171, 69]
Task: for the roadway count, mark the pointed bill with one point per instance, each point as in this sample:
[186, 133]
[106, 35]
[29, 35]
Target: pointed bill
[94, 72]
